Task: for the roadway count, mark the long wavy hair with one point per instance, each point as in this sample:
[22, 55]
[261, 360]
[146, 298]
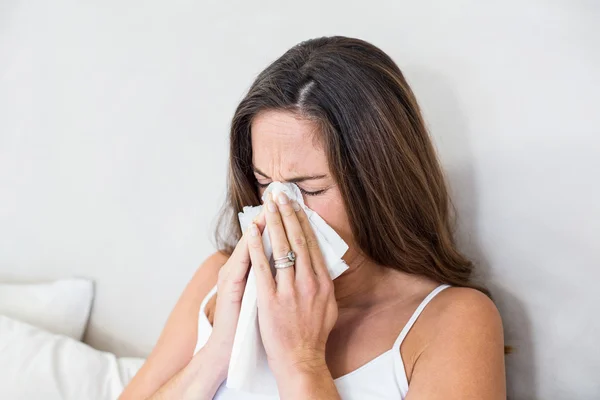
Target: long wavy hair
[378, 149]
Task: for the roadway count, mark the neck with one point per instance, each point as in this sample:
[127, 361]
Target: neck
[354, 285]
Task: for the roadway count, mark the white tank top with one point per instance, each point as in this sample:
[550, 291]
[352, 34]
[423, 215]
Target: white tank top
[381, 378]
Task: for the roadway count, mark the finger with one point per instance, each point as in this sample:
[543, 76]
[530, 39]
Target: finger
[260, 264]
[237, 266]
[239, 261]
[260, 221]
[240, 257]
[295, 237]
[312, 245]
[281, 246]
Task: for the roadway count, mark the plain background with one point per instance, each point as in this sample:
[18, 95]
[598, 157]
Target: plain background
[114, 119]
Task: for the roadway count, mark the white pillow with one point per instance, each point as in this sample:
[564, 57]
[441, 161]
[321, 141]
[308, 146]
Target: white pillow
[36, 364]
[60, 307]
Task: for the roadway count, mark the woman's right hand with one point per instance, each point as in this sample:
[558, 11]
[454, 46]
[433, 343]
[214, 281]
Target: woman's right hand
[230, 290]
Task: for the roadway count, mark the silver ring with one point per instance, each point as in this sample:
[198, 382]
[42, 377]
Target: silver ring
[285, 264]
[290, 256]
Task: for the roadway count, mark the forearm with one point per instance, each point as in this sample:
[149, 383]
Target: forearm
[199, 380]
[314, 383]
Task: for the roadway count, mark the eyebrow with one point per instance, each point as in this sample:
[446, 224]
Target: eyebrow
[292, 180]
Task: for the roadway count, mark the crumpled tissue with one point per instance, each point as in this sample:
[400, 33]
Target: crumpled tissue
[248, 367]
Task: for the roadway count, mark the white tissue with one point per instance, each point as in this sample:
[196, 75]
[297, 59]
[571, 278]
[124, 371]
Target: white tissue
[248, 367]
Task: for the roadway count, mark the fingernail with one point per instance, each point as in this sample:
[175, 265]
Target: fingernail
[295, 205]
[271, 206]
[253, 230]
[282, 198]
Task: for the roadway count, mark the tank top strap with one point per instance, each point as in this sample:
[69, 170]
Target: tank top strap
[204, 326]
[416, 314]
[206, 298]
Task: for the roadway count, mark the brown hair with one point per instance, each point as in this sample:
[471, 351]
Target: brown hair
[377, 146]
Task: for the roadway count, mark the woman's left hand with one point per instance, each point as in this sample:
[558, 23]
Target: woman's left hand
[296, 310]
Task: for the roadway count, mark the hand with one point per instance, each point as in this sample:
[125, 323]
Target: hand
[296, 310]
[231, 284]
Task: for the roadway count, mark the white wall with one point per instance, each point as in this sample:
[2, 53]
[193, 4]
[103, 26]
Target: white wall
[113, 124]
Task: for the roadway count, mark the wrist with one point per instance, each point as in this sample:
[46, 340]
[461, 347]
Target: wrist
[301, 363]
[306, 380]
[300, 370]
[203, 375]
[217, 355]
[305, 368]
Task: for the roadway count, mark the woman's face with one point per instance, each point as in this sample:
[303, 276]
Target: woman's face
[284, 149]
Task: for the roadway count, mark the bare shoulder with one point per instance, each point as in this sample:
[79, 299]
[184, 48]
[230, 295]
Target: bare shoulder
[175, 346]
[467, 308]
[463, 348]
[205, 277]
[460, 317]
[182, 324]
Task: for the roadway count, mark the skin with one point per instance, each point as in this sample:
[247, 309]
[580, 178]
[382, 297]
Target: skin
[454, 350]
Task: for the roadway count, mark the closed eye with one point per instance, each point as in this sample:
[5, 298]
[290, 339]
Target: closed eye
[306, 192]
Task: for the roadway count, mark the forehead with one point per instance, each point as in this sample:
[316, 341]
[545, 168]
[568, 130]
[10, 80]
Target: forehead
[282, 141]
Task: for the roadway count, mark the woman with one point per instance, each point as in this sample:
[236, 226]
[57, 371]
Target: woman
[336, 116]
